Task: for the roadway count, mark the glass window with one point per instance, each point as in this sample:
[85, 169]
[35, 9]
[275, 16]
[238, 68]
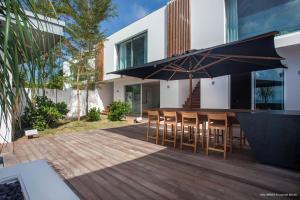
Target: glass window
[132, 52]
[232, 20]
[269, 89]
[248, 18]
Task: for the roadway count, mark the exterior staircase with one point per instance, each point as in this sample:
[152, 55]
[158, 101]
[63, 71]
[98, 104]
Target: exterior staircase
[105, 111]
[195, 98]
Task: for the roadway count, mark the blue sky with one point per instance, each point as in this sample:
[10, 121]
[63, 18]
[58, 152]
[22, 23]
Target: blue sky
[129, 11]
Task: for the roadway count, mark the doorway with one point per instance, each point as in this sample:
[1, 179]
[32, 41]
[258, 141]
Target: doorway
[133, 97]
[150, 95]
[241, 91]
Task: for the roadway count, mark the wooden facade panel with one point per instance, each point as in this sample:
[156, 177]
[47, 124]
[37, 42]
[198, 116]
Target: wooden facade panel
[99, 62]
[178, 27]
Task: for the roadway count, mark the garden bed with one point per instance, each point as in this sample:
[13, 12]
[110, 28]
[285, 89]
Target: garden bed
[70, 126]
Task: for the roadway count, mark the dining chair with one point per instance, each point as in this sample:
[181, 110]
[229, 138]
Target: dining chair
[190, 121]
[170, 119]
[219, 124]
[153, 119]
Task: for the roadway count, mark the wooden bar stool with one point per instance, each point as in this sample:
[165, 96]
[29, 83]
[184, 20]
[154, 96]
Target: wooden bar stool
[189, 120]
[153, 119]
[241, 137]
[219, 124]
[170, 119]
[203, 129]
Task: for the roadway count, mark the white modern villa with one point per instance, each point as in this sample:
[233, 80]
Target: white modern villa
[197, 24]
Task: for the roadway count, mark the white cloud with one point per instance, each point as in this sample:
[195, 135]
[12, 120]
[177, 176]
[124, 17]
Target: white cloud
[139, 11]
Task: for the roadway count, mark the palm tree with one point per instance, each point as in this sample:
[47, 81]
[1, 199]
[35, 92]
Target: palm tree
[83, 33]
[20, 54]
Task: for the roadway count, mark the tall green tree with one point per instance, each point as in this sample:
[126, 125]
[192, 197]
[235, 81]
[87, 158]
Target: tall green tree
[83, 20]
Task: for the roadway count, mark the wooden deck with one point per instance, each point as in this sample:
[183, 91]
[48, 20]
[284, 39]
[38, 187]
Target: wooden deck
[119, 164]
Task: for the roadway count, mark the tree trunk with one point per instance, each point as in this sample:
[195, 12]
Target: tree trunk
[87, 99]
[78, 95]
[87, 83]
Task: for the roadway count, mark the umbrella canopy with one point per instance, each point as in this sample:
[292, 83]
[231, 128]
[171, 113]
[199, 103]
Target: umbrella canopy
[251, 54]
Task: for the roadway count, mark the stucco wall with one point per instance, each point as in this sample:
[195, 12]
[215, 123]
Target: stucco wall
[215, 93]
[154, 24]
[291, 77]
[5, 129]
[207, 30]
[169, 94]
[288, 46]
[207, 23]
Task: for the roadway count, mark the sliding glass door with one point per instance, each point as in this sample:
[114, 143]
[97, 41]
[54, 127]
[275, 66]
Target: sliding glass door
[133, 97]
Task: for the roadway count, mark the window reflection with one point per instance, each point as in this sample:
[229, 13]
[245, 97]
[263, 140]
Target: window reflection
[132, 52]
[269, 89]
[260, 16]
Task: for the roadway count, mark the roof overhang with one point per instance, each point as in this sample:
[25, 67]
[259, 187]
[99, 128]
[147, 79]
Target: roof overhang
[50, 28]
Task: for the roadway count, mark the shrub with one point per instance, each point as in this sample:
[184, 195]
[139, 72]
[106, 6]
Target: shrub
[39, 123]
[118, 110]
[50, 115]
[43, 113]
[62, 108]
[94, 114]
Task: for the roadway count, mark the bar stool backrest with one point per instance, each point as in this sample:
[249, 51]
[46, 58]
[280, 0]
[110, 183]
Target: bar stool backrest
[190, 117]
[153, 115]
[170, 116]
[217, 118]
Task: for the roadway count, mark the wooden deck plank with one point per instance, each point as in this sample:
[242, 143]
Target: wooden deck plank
[118, 164]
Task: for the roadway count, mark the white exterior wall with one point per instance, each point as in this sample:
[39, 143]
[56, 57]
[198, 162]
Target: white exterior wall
[215, 93]
[291, 77]
[207, 30]
[154, 24]
[207, 23]
[5, 130]
[173, 94]
[288, 46]
[169, 94]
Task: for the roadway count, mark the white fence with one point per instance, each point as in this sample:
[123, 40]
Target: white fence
[99, 98]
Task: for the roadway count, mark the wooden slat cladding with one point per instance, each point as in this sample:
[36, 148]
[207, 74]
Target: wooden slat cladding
[99, 62]
[178, 27]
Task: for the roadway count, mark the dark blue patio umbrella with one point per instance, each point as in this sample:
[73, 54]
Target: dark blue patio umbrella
[251, 54]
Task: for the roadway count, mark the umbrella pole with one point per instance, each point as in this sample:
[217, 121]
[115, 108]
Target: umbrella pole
[191, 90]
